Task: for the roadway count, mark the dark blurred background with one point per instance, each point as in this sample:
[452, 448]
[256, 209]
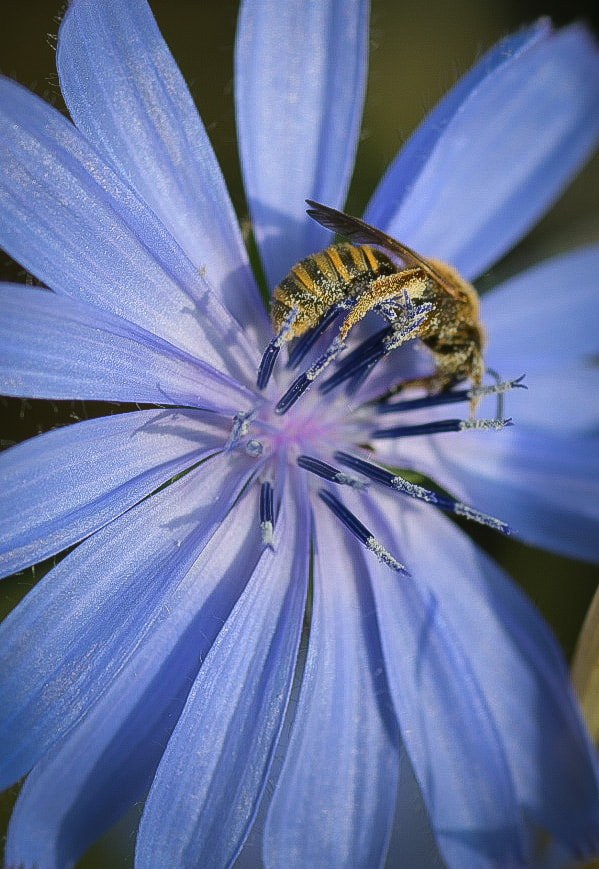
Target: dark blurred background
[417, 50]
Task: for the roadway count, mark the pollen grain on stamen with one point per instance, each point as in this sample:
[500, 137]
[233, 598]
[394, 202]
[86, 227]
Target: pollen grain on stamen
[484, 424]
[269, 357]
[239, 429]
[267, 515]
[360, 532]
[305, 380]
[328, 472]
[454, 396]
[438, 499]
[362, 359]
[440, 426]
[305, 343]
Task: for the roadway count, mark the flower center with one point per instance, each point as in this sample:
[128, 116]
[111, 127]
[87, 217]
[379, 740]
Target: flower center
[321, 425]
[328, 424]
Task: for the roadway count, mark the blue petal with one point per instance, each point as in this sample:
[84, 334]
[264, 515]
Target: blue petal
[494, 155]
[69, 482]
[70, 220]
[125, 93]
[515, 665]
[300, 77]
[334, 801]
[544, 484]
[546, 316]
[108, 760]
[543, 323]
[559, 399]
[57, 347]
[214, 770]
[72, 634]
[446, 723]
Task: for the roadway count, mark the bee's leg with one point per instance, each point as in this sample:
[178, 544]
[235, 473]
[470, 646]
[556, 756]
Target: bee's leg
[454, 363]
[389, 288]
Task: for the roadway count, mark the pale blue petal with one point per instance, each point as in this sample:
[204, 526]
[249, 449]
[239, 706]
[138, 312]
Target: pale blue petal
[494, 155]
[519, 668]
[125, 93]
[70, 219]
[300, 76]
[72, 634]
[544, 484]
[542, 323]
[446, 723]
[109, 759]
[215, 767]
[61, 486]
[334, 801]
[560, 399]
[546, 316]
[412, 159]
[57, 347]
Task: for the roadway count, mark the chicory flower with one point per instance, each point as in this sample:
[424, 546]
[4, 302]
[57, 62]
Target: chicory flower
[160, 654]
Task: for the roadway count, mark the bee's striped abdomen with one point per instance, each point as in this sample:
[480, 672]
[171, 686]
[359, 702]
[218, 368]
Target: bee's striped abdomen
[322, 280]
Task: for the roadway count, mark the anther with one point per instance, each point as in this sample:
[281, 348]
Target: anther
[267, 514]
[499, 388]
[453, 396]
[305, 380]
[269, 357]
[329, 473]
[297, 389]
[484, 424]
[385, 478]
[353, 524]
[241, 424]
[405, 487]
[306, 341]
[410, 322]
[364, 357]
[439, 426]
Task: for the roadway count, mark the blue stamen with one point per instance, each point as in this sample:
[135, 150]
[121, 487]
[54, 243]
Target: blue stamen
[305, 380]
[267, 513]
[297, 389]
[305, 343]
[413, 317]
[450, 397]
[455, 396]
[499, 388]
[399, 484]
[357, 365]
[267, 363]
[441, 425]
[328, 472]
[356, 382]
[239, 429]
[353, 524]
[366, 356]
[273, 348]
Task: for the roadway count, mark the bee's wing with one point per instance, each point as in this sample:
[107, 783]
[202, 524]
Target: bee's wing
[359, 231]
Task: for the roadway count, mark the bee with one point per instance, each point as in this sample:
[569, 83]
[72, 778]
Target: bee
[362, 270]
